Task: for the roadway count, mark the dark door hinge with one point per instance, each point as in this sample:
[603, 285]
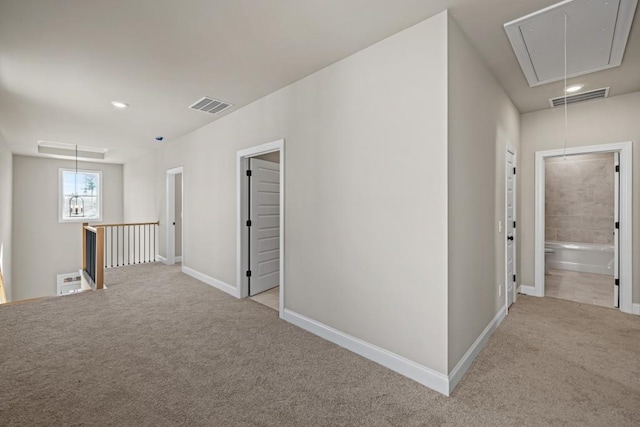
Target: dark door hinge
[248, 223]
[617, 225]
[514, 224]
[514, 277]
[248, 172]
[514, 171]
[617, 168]
[617, 282]
[248, 273]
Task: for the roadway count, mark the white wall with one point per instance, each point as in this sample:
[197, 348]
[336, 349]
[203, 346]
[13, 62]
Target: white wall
[366, 195]
[6, 191]
[590, 123]
[482, 121]
[43, 247]
[140, 193]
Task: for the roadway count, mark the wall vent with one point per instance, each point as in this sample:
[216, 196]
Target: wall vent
[210, 105]
[580, 97]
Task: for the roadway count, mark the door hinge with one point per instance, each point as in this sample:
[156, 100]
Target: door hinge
[249, 223]
[514, 277]
[514, 224]
[248, 172]
[616, 282]
[248, 273]
[514, 171]
[617, 225]
[617, 168]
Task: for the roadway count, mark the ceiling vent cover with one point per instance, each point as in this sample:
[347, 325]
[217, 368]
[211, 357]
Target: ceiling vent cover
[580, 97]
[210, 105]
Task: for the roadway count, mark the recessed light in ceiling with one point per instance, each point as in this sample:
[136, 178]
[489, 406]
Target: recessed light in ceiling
[573, 88]
[119, 104]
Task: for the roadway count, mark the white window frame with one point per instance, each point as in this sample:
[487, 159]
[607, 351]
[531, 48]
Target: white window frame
[61, 196]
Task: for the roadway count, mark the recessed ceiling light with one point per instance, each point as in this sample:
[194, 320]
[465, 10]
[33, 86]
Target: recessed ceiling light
[119, 104]
[574, 88]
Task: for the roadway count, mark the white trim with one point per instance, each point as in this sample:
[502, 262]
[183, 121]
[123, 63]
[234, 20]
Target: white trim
[636, 309]
[527, 290]
[171, 203]
[467, 360]
[417, 372]
[218, 284]
[178, 258]
[510, 149]
[240, 258]
[626, 215]
[62, 220]
[161, 259]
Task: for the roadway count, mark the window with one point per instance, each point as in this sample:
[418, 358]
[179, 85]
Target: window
[80, 195]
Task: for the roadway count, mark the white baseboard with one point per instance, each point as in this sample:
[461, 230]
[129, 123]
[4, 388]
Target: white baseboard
[636, 309]
[161, 259]
[419, 373]
[179, 258]
[527, 290]
[465, 363]
[218, 284]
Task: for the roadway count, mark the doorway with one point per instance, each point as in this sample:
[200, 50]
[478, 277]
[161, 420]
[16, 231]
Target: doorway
[174, 228]
[583, 230]
[510, 226]
[261, 224]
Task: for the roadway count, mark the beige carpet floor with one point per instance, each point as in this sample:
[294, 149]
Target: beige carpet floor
[160, 348]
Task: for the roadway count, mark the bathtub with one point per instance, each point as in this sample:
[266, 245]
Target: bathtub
[584, 257]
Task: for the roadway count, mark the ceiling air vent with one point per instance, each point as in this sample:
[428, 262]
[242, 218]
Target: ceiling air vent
[210, 105]
[580, 97]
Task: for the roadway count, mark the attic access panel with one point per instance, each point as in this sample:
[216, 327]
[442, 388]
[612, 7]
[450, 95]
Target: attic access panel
[597, 33]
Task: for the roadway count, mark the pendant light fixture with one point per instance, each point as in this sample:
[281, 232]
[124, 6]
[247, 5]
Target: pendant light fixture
[76, 203]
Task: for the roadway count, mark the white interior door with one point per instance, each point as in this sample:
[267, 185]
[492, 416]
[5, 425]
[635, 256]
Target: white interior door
[616, 231]
[510, 226]
[264, 229]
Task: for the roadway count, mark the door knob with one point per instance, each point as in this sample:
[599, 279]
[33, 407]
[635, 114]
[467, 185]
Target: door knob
[509, 237]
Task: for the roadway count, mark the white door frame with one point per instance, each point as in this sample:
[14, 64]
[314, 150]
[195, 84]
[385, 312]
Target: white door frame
[512, 150]
[626, 215]
[171, 211]
[241, 256]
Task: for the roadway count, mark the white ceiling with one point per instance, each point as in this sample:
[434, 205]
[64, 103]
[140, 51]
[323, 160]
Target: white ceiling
[63, 61]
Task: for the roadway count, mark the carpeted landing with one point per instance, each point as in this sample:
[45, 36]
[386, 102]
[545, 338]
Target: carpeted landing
[160, 348]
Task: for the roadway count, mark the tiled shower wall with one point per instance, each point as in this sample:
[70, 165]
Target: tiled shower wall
[579, 198]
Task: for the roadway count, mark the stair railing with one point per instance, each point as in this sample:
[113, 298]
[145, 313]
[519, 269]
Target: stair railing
[116, 245]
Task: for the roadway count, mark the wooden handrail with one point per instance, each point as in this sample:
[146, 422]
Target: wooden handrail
[100, 259]
[125, 224]
[84, 246]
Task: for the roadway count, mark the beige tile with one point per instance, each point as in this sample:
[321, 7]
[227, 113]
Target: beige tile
[584, 194]
[605, 237]
[551, 234]
[575, 235]
[585, 288]
[270, 298]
